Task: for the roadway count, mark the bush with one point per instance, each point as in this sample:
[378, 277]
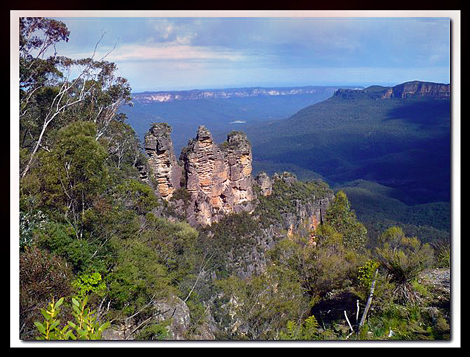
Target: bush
[42, 275]
[61, 239]
[403, 258]
[89, 283]
[85, 327]
[137, 277]
[137, 195]
[340, 216]
[306, 331]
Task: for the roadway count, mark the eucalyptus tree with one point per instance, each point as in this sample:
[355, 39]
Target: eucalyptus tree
[50, 98]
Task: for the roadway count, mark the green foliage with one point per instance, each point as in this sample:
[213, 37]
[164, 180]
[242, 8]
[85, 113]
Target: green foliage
[154, 332]
[174, 243]
[84, 327]
[49, 329]
[89, 283]
[61, 239]
[308, 330]
[344, 221]
[442, 251]
[260, 306]
[138, 277]
[151, 264]
[137, 196]
[122, 145]
[230, 243]
[404, 323]
[403, 258]
[73, 174]
[366, 273]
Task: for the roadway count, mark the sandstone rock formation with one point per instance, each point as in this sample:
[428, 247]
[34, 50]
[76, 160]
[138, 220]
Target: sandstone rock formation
[265, 184]
[218, 177]
[171, 312]
[413, 89]
[308, 213]
[164, 168]
[419, 89]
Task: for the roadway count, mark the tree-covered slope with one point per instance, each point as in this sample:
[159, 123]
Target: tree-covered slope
[102, 254]
[402, 143]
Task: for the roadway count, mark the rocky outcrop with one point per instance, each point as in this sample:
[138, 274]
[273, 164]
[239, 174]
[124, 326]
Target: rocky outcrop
[171, 312]
[306, 213]
[264, 183]
[218, 177]
[174, 311]
[216, 181]
[414, 89]
[419, 89]
[165, 171]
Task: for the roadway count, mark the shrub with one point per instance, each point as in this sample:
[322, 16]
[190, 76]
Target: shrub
[340, 216]
[403, 258]
[61, 239]
[42, 275]
[306, 331]
[85, 326]
[86, 283]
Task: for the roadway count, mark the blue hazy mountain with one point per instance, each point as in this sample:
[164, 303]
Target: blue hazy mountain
[395, 136]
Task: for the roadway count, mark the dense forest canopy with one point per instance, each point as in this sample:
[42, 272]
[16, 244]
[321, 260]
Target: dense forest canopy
[102, 255]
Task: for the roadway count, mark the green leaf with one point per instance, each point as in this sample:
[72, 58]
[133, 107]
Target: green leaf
[46, 315]
[104, 326]
[40, 327]
[75, 302]
[54, 324]
[76, 309]
[70, 334]
[59, 303]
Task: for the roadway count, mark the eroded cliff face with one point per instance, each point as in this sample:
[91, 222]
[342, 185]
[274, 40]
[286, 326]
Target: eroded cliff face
[216, 180]
[408, 90]
[306, 214]
[165, 172]
[418, 89]
[218, 177]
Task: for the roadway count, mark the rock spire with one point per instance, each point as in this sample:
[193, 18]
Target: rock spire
[164, 168]
[217, 177]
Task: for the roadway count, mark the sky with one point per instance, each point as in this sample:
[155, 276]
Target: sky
[194, 52]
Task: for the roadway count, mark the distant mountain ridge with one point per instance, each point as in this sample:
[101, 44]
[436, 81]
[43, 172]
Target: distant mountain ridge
[198, 94]
[413, 89]
[220, 110]
[396, 136]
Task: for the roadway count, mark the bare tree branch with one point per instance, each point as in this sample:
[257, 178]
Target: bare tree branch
[369, 300]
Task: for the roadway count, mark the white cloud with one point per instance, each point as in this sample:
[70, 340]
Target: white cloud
[177, 51]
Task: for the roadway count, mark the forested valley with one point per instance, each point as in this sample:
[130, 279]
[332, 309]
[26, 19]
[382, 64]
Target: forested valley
[104, 257]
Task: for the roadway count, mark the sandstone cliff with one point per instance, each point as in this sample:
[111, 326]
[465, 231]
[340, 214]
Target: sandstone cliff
[164, 168]
[418, 89]
[218, 177]
[413, 89]
[216, 180]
